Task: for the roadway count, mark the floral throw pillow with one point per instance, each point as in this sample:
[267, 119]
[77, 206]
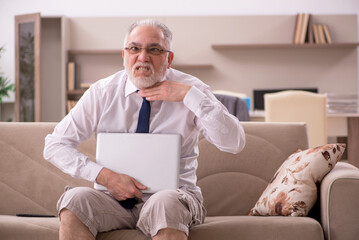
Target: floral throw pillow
[292, 190]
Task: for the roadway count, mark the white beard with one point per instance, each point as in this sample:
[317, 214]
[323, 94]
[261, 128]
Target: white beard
[143, 81]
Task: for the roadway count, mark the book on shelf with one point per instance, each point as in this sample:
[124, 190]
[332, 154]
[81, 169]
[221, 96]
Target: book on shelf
[304, 28]
[297, 30]
[310, 33]
[321, 34]
[71, 75]
[327, 35]
[301, 30]
[315, 33]
[305, 31]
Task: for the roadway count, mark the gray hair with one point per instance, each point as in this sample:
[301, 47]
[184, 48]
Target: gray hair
[154, 23]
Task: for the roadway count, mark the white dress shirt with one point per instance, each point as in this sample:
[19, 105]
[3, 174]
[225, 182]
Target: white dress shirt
[112, 105]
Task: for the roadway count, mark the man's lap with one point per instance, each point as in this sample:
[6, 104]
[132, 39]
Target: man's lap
[101, 212]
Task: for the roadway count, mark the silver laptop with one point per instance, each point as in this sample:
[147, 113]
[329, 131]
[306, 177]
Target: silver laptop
[152, 159]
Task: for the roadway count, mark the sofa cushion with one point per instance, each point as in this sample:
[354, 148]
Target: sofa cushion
[32, 184]
[18, 228]
[241, 228]
[292, 190]
[255, 227]
[231, 227]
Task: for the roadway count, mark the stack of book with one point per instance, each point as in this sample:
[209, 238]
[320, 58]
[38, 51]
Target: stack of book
[342, 103]
[306, 31]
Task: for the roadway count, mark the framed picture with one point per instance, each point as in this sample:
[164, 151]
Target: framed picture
[27, 68]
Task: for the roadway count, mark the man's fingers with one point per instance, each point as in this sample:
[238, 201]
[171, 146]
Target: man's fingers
[161, 91]
[166, 91]
[123, 186]
[139, 185]
[121, 198]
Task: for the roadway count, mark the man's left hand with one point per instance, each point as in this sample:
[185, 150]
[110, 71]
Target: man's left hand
[166, 91]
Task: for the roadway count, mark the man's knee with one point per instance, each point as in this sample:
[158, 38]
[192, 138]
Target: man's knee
[72, 228]
[164, 210]
[66, 214]
[169, 233]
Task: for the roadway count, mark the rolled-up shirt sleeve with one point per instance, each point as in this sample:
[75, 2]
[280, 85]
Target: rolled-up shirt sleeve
[215, 122]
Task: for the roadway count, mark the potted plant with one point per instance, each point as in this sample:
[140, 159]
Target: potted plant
[5, 85]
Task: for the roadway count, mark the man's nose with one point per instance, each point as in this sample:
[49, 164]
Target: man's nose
[143, 55]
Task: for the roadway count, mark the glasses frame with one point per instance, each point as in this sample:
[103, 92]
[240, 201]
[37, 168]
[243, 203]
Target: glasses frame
[148, 50]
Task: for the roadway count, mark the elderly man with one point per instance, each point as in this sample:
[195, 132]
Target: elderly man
[180, 104]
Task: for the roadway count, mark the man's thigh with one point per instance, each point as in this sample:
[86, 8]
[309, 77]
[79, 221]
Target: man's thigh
[97, 210]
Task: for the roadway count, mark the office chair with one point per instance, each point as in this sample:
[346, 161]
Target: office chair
[299, 106]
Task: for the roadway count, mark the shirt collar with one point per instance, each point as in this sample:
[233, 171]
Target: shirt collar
[130, 87]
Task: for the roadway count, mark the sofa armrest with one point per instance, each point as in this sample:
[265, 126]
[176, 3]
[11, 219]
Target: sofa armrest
[339, 196]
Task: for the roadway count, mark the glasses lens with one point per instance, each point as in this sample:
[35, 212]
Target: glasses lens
[134, 50]
[154, 51]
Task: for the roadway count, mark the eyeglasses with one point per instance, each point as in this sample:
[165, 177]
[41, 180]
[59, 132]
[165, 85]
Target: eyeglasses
[152, 50]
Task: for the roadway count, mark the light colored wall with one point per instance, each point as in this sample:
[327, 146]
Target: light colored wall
[93, 8]
[240, 70]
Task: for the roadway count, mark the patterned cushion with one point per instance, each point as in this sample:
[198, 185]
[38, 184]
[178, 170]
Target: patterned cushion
[292, 191]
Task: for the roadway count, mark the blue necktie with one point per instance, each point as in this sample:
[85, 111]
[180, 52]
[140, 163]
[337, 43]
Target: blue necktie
[143, 126]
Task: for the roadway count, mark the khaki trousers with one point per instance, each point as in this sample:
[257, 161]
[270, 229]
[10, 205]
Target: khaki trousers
[100, 212]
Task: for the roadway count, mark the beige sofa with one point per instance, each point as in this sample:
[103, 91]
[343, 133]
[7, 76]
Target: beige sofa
[231, 185]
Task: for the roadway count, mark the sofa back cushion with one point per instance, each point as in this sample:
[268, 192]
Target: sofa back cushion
[28, 183]
[232, 183]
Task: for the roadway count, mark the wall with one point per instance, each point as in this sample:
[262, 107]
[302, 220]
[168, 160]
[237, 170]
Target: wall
[93, 8]
[238, 70]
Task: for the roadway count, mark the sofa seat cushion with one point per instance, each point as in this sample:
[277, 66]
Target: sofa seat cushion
[19, 228]
[257, 227]
[226, 227]
[241, 228]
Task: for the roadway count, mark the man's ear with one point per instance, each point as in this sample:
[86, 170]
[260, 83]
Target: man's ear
[123, 57]
[170, 59]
